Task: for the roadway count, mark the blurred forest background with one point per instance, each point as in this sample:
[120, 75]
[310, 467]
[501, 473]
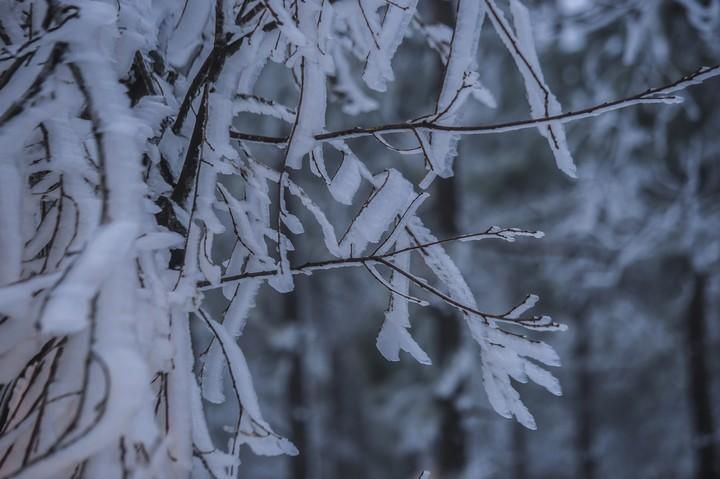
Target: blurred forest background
[629, 262]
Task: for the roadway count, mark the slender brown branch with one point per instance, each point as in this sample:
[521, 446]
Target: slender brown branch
[651, 95]
[190, 169]
[311, 266]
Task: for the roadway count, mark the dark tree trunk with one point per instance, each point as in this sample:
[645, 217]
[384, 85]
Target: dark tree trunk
[519, 440]
[450, 454]
[296, 393]
[703, 423]
[350, 445]
[450, 447]
[585, 429]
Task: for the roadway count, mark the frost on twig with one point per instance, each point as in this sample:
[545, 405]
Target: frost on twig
[126, 171]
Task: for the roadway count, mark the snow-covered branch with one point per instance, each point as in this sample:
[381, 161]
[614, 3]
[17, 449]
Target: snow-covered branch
[128, 189]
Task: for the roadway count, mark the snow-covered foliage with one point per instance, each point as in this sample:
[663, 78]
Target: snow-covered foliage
[124, 161]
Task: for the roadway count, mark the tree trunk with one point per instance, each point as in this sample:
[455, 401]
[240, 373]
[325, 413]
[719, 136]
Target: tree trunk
[295, 391]
[450, 446]
[519, 440]
[699, 386]
[585, 429]
[350, 446]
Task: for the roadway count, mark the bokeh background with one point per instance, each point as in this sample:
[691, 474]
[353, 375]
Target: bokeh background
[629, 262]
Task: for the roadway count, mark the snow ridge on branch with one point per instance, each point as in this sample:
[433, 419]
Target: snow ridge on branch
[124, 167]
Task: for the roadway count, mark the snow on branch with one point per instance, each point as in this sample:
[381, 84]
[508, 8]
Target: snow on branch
[655, 95]
[132, 183]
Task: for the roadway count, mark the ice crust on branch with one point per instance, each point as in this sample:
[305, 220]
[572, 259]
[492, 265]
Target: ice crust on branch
[543, 103]
[129, 187]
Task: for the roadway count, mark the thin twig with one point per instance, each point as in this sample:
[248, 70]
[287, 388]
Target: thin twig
[649, 96]
[310, 267]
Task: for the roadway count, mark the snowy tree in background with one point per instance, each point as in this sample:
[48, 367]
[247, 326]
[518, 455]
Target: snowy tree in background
[129, 169]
